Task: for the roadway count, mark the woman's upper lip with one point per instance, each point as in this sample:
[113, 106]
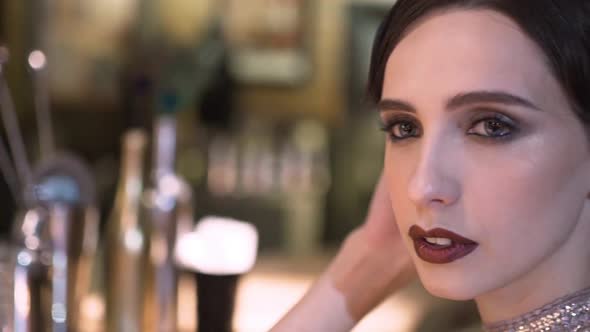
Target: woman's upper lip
[417, 232]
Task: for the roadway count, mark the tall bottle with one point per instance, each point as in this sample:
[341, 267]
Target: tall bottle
[168, 213]
[125, 241]
[161, 212]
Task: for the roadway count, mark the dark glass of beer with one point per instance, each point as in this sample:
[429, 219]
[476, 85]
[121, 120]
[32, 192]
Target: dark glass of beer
[216, 296]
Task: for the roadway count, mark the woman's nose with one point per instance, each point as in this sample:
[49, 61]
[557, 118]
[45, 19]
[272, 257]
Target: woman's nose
[436, 178]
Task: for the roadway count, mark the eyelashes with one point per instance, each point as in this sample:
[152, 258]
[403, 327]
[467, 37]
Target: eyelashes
[490, 127]
[397, 128]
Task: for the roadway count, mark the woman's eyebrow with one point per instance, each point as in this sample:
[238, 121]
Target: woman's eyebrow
[493, 97]
[394, 105]
[462, 100]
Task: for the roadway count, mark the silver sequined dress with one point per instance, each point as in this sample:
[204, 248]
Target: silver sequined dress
[569, 313]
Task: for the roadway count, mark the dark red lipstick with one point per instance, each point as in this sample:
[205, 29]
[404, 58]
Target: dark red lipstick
[440, 246]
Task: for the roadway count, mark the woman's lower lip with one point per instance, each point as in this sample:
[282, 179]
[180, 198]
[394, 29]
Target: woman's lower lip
[437, 254]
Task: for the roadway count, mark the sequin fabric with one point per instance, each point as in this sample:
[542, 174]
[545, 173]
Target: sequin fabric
[569, 313]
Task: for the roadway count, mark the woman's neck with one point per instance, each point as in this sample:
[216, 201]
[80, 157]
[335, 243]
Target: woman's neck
[565, 271]
[506, 304]
[550, 280]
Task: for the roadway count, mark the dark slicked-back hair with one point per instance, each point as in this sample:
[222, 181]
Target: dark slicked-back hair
[560, 28]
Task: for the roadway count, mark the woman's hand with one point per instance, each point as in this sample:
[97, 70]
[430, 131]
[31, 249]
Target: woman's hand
[373, 258]
[371, 264]
[385, 241]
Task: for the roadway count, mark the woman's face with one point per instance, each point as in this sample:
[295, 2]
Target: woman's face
[481, 141]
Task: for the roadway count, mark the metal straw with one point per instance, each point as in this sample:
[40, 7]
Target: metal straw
[17, 145]
[6, 166]
[9, 173]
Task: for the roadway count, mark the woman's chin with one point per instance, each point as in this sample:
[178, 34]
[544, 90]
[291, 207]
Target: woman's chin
[449, 293]
[457, 289]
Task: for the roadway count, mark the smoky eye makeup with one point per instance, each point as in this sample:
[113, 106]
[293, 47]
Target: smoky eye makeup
[400, 127]
[491, 125]
[484, 124]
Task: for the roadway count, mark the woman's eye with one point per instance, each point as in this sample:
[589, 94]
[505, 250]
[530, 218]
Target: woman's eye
[492, 128]
[401, 129]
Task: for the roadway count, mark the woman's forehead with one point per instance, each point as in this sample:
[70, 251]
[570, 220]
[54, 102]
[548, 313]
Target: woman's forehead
[463, 50]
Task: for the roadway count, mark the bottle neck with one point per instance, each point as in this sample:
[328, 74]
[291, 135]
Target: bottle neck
[164, 145]
[134, 143]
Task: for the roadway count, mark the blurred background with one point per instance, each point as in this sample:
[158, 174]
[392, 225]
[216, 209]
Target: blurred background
[272, 128]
